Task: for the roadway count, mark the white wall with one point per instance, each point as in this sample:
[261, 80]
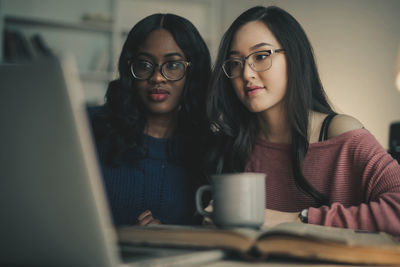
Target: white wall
[355, 43]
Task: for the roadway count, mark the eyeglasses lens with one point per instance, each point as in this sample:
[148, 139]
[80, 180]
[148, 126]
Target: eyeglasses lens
[260, 61]
[171, 70]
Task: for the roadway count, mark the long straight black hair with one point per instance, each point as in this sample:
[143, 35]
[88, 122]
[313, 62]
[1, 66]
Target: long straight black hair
[124, 113]
[236, 128]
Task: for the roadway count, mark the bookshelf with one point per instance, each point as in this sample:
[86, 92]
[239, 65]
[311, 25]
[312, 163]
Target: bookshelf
[66, 27]
[99, 27]
[96, 43]
[32, 22]
[92, 76]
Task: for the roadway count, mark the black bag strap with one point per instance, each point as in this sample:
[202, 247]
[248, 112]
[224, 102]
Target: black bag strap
[323, 134]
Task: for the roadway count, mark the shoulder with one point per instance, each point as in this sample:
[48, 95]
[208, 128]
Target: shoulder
[343, 123]
[95, 110]
[97, 116]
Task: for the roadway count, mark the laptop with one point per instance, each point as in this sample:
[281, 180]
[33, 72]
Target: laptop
[52, 202]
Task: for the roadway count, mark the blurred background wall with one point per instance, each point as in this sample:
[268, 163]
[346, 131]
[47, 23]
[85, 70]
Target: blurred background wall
[356, 42]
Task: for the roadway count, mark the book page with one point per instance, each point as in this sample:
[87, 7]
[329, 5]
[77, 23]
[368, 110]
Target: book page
[191, 236]
[333, 234]
[297, 240]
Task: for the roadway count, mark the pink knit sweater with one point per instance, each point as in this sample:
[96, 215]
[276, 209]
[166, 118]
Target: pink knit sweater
[360, 178]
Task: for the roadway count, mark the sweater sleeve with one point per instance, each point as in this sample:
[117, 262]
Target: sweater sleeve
[380, 207]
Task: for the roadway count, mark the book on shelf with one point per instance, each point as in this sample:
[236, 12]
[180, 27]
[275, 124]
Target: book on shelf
[40, 46]
[291, 240]
[19, 47]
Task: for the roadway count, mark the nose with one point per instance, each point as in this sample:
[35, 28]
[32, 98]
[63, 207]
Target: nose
[248, 72]
[157, 76]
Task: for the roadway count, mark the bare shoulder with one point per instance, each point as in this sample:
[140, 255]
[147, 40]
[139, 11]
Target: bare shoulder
[343, 123]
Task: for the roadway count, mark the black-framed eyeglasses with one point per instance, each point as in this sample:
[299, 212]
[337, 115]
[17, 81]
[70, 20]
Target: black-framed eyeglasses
[258, 61]
[173, 70]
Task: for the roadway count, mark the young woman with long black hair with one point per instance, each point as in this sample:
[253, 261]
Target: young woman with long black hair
[149, 132]
[269, 114]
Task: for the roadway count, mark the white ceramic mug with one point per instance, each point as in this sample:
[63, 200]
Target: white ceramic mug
[238, 199]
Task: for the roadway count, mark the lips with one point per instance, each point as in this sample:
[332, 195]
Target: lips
[252, 90]
[158, 94]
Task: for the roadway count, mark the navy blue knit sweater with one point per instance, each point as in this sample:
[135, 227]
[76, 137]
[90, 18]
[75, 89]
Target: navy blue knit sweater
[156, 182]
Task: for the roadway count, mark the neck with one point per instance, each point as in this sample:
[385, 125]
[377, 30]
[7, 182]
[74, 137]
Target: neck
[274, 127]
[161, 125]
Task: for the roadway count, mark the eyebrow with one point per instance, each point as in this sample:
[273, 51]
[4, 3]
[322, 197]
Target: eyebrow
[173, 54]
[254, 47]
[165, 56]
[259, 45]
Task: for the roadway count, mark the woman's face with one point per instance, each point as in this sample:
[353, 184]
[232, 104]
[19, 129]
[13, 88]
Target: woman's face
[159, 95]
[259, 91]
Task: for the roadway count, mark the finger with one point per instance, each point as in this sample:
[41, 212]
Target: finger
[154, 221]
[207, 220]
[146, 220]
[209, 208]
[144, 214]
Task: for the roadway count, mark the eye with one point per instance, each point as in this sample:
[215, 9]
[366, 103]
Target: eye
[234, 63]
[144, 65]
[174, 65]
[261, 56]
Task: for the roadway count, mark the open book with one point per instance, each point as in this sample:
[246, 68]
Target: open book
[296, 240]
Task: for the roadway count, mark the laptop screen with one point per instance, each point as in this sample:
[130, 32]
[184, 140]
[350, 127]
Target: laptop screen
[53, 208]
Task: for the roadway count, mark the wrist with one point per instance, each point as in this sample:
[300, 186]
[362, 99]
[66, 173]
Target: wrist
[303, 216]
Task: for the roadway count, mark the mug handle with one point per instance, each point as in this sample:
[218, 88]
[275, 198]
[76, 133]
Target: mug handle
[199, 196]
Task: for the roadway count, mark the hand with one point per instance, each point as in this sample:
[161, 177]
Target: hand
[274, 217]
[207, 220]
[146, 218]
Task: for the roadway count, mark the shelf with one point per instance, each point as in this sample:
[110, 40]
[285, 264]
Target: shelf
[104, 27]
